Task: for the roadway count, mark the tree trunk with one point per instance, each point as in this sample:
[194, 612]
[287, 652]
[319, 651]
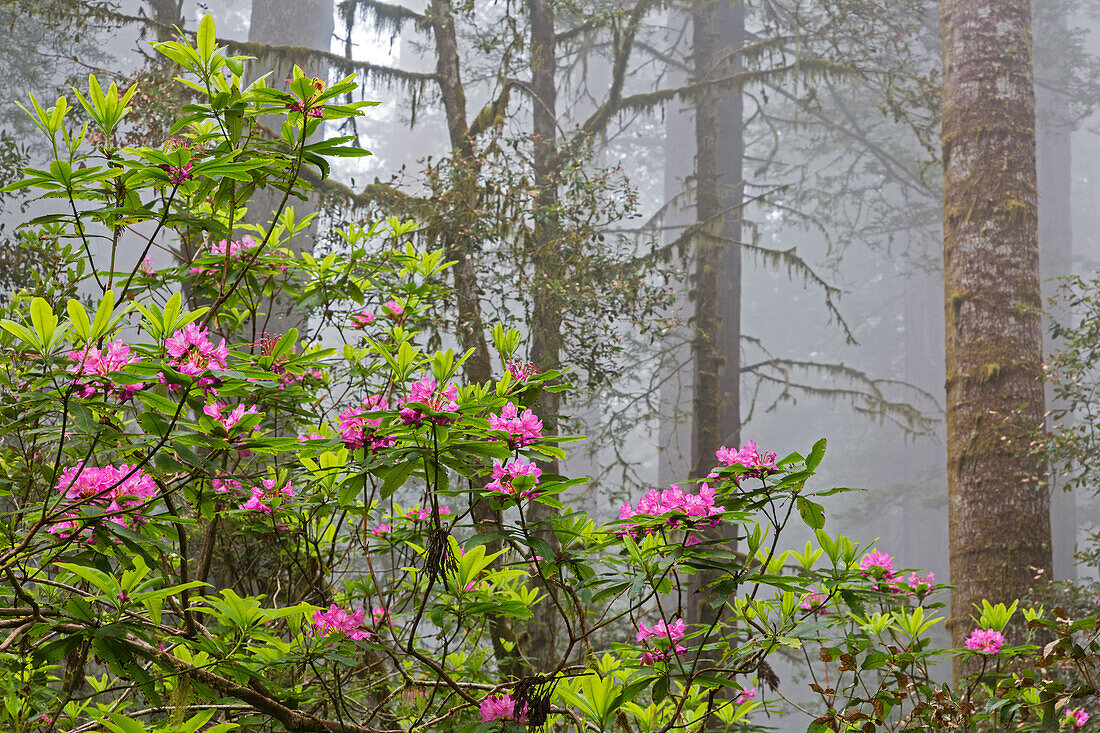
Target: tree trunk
[999, 513]
[545, 258]
[470, 330]
[718, 27]
[290, 24]
[718, 31]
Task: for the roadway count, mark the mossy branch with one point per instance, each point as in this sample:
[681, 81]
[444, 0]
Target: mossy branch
[385, 17]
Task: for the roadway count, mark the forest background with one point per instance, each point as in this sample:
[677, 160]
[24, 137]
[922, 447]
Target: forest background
[841, 300]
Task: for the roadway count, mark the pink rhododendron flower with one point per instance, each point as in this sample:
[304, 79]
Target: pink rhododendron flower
[746, 695]
[361, 318]
[123, 490]
[178, 174]
[417, 514]
[699, 509]
[259, 497]
[521, 371]
[523, 429]
[658, 653]
[1076, 718]
[877, 564]
[749, 457]
[921, 586]
[358, 432]
[814, 602]
[147, 265]
[503, 476]
[424, 391]
[336, 619]
[193, 352]
[230, 419]
[224, 484]
[392, 309]
[986, 641]
[381, 615]
[500, 707]
[234, 248]
[380, 530]
[90, 361]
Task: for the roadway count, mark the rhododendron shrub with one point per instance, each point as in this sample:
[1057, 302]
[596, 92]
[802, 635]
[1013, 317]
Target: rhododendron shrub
[198, 513]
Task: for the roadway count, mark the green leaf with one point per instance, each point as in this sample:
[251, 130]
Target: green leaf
[816, 454]
[121, 724]
[205, 40]
[44, 320]
[874, 660]
[103, 315]
[660, 690]
[812, 513]
[97, 578]
[79, 317]
[395, 477]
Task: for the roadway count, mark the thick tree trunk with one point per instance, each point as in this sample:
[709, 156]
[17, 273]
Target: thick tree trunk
[718, 27]
[999, 513]
[545, 258]
[718, 31]
[470, 328]
[294, 24]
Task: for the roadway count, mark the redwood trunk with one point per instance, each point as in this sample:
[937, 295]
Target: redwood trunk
[999, 510]
[718, 30]
[545, 258]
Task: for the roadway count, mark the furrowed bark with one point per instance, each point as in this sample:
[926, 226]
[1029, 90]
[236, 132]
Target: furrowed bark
[999, 509]
[718, 34]
[545, 259]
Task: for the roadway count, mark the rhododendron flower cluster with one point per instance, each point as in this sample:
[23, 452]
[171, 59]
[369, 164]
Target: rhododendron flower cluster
[229, 420]
[878, 565]
[521, 371]
[424, 392]
[986, 641]
[417, 514]
[814, 602]
[380, 530]
[505, 475]
[256, 502]
[123, 490]
[500, 707]
[749, 457]
[193, 353]
[522, 428]
[921, 586]
[1076, 718]
[746, 695]
[392, 310]
[225, 484]
[178, 174]
[697, 507]
[358, 432]
[336, 619]
[659, 653]
[361, 318]
[90, 361]
[235, 249]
